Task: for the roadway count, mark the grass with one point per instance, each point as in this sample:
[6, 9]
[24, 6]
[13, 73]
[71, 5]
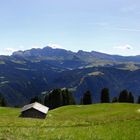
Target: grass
[90, 122]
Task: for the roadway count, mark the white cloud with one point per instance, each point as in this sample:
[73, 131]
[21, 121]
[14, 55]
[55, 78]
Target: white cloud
[10, 50]
[125, 50]
[124, 47]
[55, 46]
[7, 51]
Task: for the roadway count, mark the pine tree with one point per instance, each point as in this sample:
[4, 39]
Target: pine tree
[68, 98]
[105, 95]
[131, 98]
[34, 99]
[87, 99]
[59, 97]
[56, 98]
[46, 99]
[138, 100]
[124, 96]
[2, 101]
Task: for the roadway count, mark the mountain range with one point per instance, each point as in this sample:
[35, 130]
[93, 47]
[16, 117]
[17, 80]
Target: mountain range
[26, 74]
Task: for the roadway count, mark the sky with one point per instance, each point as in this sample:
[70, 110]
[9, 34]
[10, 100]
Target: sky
[110, 26]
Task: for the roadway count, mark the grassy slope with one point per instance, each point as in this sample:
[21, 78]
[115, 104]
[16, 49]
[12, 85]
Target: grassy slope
[91, 122]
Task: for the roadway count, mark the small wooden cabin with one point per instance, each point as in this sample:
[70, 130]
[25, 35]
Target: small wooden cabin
[34, 110]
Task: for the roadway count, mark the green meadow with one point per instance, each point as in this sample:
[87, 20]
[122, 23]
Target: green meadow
[89, 122]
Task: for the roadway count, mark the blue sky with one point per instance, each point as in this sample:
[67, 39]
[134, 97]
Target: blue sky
[111, 26]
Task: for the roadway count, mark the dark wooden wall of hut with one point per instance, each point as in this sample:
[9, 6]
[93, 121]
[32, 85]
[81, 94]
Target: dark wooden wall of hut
[33, 113]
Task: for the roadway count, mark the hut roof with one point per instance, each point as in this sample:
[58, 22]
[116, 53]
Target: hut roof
[36, 106]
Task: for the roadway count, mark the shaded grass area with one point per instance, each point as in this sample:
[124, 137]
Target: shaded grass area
[90, 122]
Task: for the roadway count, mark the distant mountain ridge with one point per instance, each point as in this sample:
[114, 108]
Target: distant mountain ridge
[46, 51]
[26, 74]
[66, 54]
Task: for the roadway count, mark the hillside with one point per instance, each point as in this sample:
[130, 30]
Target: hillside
[26, 74]
[96, 122]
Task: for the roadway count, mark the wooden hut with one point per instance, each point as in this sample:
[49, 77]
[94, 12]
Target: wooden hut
[34, 110]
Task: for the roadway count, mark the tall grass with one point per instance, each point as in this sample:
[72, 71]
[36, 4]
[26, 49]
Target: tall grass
[90, 122]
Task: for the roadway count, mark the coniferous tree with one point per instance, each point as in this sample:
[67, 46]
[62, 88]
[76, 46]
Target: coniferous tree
[124, 96]
[131, 98]
[46, 99]
[105, 95]
[59, 97]
[56, 98]
[138, 100]
[34, 99]
[68, 98]
[87, 99]
[2, 101]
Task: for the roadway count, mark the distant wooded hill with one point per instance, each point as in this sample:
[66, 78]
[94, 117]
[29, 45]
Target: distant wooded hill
[26, 74]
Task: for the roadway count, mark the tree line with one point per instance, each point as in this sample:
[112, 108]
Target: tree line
[124, 97]
[62, 97]
[56, 98]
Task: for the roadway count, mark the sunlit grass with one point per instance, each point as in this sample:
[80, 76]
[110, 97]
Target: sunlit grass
[91, 122]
